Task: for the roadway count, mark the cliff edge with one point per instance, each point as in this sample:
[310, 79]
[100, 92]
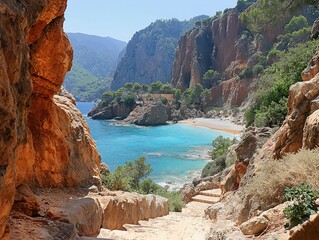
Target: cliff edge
[43, 139]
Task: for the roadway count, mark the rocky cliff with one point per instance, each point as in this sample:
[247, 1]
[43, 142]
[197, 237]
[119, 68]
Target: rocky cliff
[43, 139]
[150, 53]
[226, 46]
[300, 128]
[218, 44]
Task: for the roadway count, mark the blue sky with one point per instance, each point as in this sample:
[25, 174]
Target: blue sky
[120, 19]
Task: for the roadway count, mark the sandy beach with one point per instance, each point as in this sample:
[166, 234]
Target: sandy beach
[215, 124]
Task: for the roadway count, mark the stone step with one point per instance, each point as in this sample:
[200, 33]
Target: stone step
[212, 192]
[205, 199]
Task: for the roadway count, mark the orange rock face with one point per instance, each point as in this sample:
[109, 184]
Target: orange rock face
[43, 138]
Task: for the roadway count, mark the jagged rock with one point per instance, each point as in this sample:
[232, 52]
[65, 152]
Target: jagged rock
[150, 114]
[246, 147]
[300, 127]
[232, 92]
[25, 201]
[150, 53]
[312, 69]
[254, 226]
[40, 138]
[85, 214]
[251, 141]
[315, 30]
[116, 110]
[64, 147]
[39, 228]
[129, 208]
[309, 230]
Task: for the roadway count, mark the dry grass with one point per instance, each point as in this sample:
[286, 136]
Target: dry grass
[266, 187]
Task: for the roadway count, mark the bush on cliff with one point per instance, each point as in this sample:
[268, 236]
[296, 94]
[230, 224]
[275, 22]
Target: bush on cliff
[274, 83]
[220, 148]
[303, 203]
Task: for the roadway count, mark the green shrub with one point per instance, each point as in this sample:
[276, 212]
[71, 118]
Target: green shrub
[214, 167]
[220, 146]
[258, 68]
[175, 202]
[128, 177]
[246, 73]
[148, 186]
[274, 83]
[118, 180]
[303, 203]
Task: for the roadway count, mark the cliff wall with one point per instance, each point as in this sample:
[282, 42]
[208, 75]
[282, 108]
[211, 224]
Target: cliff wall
[223, 45]
[43, 139]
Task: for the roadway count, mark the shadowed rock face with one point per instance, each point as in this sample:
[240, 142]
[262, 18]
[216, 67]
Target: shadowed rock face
[223, 45]
[213, 46]
[43, 138]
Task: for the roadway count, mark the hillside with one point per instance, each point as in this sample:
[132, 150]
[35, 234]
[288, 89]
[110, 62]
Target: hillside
[95, 59]
[84, 85]
[150, 53]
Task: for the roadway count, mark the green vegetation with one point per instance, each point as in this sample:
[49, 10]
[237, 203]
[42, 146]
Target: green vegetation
[212, 78]
[303, 203]
[220, 148]
[268, 186]
[271, 98]
[133, 177]
[155, 44]
[84, 85]
[268, 12]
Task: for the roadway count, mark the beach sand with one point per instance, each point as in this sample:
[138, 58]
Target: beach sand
[215, 124]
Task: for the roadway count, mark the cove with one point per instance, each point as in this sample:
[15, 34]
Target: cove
[177, 152]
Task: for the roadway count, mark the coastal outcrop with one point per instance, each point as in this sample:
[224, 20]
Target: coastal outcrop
[43, 139]
[118, 111]
[150, 114]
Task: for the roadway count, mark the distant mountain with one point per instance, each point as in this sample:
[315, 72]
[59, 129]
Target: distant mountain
[95, 59]
[84, 85]
[150, 53]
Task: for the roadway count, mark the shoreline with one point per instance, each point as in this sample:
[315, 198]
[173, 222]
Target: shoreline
[214, 124]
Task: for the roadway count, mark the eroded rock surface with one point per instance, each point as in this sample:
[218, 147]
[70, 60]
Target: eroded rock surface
[300, 128]
[129, 208]
[150, 114]
[40, 137]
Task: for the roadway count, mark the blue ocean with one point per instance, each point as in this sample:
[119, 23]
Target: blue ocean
[177, 152]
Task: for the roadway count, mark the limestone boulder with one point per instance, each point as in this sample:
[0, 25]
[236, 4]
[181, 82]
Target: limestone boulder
[85, 214]
[150, 114]
[25, 201]
[225, 230]
[129, 208]
[254, 226]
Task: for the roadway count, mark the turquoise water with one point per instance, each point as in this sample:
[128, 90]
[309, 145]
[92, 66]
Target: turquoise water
[177, 152]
